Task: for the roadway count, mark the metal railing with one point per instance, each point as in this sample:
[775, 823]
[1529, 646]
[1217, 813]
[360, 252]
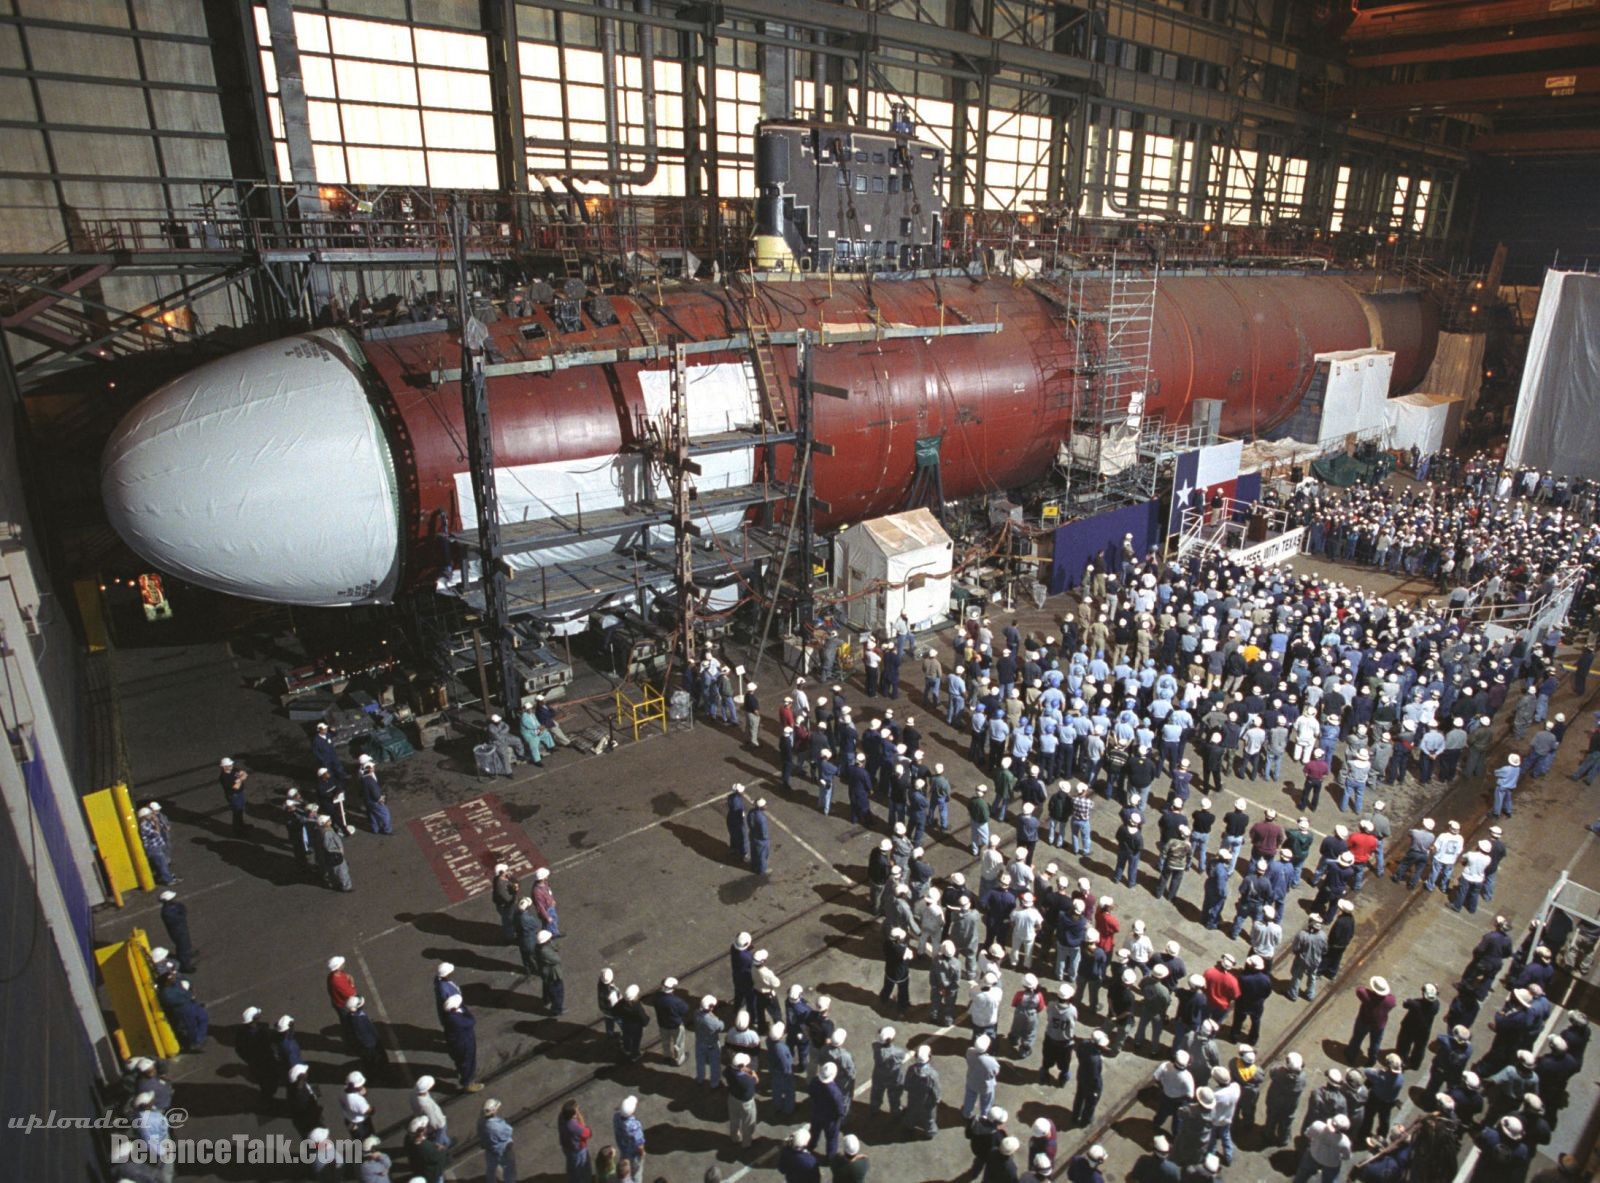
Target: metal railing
[1225, 528]
[1518, 617]
[247, 221]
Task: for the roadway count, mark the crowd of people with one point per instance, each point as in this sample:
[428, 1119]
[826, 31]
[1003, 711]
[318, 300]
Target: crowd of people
[1488, 537]
[1165, 691]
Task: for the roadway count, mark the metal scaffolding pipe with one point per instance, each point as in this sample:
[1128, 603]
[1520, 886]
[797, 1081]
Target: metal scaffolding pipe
[614, 175]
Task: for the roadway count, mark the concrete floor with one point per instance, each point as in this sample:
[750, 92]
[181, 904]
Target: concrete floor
[636, 842]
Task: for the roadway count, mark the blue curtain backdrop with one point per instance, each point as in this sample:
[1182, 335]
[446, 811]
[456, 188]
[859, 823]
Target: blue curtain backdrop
[59, 852]
[1249, 487]
[1100, 538]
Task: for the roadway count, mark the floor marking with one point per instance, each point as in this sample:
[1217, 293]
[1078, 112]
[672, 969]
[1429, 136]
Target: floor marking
[1281, 814]
[660, 821]
[813, 851]
[154, 906]
[383, 1011]
[462, 843]
[361, 942]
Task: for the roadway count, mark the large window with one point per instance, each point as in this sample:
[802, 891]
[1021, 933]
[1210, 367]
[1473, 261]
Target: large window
[1016, 165]
[1341, 194]
[1397, 208]
[1238, 188]
[1419, 207]
[1285, 187]
[389, 104]
[738, 112]
[1157, 182]
[564, 122]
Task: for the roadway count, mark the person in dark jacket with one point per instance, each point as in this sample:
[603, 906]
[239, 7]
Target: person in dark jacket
[796, 1162]
[548, 962]
[828, 1105]
[1091, 1081]
[254, 1043]
[1416, 1026]
[1385, 1086]
[633, 1019]
[851, 1165]
[362, 1034]
[305, 1102]
[1340, 933]
[1452, 1052]
[1488, 958]
[760, 839]
[429, 1160]
[461, 1039]
[1088, 1166]
[738, 835]
[985, 1132]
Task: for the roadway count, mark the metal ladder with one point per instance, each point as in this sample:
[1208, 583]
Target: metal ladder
[647, 329]
[773, 411]
[1125, 365]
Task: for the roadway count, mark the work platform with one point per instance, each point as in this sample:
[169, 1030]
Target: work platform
[538, 534]
[561, 589]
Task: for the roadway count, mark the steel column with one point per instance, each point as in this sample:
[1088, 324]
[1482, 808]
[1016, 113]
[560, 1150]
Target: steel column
[480, 456]
[297, 132]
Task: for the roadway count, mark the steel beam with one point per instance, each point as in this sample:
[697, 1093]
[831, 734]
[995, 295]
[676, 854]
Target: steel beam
[1542, 142]
[1562, 87]
[1432, 18]
[1455, 51]
[51, 296]
[480, 455]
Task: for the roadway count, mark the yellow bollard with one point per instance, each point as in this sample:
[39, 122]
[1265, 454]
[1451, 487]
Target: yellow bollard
[130, 833]
[131, 988]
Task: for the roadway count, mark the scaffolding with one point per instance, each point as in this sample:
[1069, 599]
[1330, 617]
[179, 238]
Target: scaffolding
[1115, 450]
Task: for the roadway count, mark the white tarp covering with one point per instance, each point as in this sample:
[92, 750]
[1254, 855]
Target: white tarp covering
[1427, 422]
[1457, 367]
[720, 400]
[264, 475]
[1358, 385]
[1558, 406]
[910, 555]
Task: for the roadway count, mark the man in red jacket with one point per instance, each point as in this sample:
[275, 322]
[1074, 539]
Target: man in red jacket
[1361, 845]
[341, 986]
[1222, 988]
[1372, 1016]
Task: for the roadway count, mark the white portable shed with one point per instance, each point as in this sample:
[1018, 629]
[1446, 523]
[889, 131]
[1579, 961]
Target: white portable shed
[889, 565]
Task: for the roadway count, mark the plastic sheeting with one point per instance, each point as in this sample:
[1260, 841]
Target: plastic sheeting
[1427, 422]
[1358, 385]
[720, 399]
[1457, 367]
[264, 475]
[911, 553]
[1559, 403]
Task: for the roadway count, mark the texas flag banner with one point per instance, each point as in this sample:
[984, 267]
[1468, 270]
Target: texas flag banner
[1201, 473]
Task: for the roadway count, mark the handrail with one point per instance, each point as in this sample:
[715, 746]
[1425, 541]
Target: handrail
[1515, 616]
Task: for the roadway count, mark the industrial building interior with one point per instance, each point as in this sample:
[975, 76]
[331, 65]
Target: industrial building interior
[393, 366]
